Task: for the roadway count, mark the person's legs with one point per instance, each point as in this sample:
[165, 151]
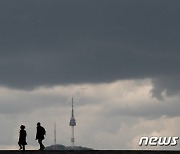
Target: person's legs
[41, 145]
[20, 146]
[23, 147]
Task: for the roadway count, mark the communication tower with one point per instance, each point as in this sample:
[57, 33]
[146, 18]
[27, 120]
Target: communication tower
[55, 135]
[72, 123]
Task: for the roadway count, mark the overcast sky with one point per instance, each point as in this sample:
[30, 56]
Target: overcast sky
[118, 58]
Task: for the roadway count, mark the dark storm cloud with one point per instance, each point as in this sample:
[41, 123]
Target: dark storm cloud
[47, 42]
[149, 110]
[168, 85]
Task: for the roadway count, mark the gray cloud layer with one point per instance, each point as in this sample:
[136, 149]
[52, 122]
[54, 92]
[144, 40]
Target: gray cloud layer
[60, 42]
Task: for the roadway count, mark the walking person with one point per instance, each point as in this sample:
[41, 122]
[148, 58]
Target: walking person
[22, 138]
[40, 135]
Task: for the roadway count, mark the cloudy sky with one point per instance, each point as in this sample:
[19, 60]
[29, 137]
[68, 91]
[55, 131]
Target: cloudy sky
[119, 59]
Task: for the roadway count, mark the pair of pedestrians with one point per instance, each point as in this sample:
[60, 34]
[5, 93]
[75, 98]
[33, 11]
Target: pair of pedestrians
[39, 136]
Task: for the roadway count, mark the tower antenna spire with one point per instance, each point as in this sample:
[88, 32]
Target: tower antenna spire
[72, 108]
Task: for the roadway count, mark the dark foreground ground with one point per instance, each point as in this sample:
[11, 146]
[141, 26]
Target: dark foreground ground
[88, 152]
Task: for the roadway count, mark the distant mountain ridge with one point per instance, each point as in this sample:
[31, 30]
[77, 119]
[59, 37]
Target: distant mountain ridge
[63, 147]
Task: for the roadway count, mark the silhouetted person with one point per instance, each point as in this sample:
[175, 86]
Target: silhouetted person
[40, 135]
[22, 138]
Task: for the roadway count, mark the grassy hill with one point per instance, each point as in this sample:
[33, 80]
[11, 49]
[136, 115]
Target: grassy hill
[63, 147]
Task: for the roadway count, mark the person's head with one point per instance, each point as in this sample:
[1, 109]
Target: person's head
[38, 124]
[22, 127]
